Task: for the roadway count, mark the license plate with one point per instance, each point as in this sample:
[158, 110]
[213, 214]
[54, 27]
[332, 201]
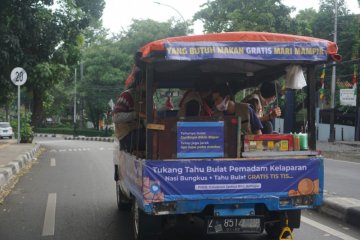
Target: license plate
[233, 225]
[5, 131]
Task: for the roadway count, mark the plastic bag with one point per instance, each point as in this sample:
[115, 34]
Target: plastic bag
[295, 78]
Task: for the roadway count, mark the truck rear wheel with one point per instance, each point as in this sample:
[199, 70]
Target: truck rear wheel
[277, 222]
[123, 202]
[273, 230]
[146, 227]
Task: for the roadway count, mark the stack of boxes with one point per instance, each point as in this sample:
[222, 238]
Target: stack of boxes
[271, 142]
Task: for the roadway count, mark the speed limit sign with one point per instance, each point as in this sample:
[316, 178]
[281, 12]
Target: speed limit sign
[18, 76]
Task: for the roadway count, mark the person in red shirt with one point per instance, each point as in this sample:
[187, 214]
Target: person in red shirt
[128, 117]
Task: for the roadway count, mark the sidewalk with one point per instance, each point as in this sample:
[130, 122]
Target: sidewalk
[343, 150]
[345, 209]
[13, 157]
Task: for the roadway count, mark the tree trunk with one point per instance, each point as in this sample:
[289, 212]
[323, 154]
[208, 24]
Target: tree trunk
[38, 109]
[7, 112]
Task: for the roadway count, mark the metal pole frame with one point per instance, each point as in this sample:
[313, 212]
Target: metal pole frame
[18, 131]
[149, 108]
[332, 137]
[311, 92]
[75, 105]
[357, 122]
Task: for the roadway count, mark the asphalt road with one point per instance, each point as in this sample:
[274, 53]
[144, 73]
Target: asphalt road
[342, 178]
[70, 194]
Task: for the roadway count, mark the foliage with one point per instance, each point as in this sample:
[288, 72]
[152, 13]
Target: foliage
[304, 22]
[141, 32]
[70, 131]
[26, 133]
[108, 62]
[244, 15]
[347, 31]
[49, 42]
[26, 130]
[43, 40]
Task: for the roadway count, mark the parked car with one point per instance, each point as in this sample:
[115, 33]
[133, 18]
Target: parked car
[6, 130]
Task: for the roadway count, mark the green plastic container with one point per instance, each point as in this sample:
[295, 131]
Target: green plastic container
[303, 141]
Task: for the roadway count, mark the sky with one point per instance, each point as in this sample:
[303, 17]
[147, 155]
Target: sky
[118, 14]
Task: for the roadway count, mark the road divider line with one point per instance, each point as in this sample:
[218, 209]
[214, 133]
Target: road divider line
[52, 162]
[49, 221]
[326, 229]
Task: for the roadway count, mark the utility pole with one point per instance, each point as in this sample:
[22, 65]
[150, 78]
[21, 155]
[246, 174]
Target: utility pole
[333, 83]
[81, 99]
[75, 105]
[357, 119]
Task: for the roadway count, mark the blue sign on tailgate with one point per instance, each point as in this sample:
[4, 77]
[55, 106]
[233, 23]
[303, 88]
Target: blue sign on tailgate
[200, 139]
[185, 179]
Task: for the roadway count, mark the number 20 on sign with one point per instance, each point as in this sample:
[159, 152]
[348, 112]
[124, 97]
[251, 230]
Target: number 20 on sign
[18, 76]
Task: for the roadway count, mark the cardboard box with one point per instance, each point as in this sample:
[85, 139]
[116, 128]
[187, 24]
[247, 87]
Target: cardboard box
[269, 142]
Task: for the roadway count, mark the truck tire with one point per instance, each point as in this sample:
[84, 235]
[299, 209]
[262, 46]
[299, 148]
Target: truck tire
[146, 227]
[274, 228]
[123, 202]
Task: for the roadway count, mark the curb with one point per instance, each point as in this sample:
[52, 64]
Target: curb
[44, 135]
[101, 139]
[350, 144]
[8, 171]
[83, 138]
[344, 209]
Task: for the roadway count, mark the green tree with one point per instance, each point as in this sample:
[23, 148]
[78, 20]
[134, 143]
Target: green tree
[304, 22]
[105, 68]
[244, 15]
[141, 32]
[108, 62]
[44, 41]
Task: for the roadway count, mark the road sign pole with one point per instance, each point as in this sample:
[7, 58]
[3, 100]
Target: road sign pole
[18, 76]
[18, 136]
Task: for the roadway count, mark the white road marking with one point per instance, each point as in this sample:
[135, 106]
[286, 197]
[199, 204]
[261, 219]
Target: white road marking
[49, 221]
[80, 149]
[326, 229]
[52, 162]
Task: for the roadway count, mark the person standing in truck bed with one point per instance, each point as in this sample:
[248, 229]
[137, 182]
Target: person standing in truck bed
[128, 117]
[250, 123]
[263, 98]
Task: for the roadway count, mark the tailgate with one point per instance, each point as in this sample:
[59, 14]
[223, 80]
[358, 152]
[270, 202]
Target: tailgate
[227, 180]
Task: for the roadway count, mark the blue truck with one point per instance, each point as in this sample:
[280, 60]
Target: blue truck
[206, 167]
